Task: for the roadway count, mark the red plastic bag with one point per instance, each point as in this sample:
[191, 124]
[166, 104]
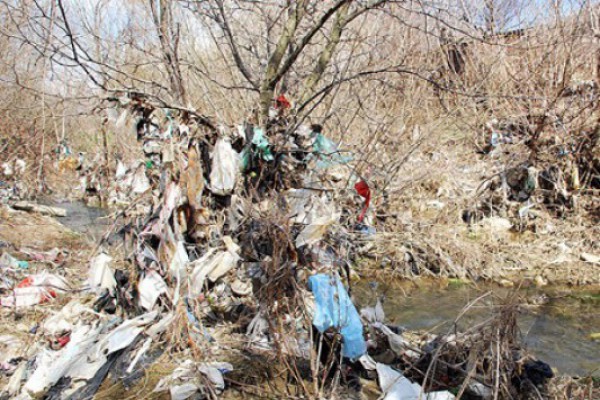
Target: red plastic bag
[282, 103]
[363, 190]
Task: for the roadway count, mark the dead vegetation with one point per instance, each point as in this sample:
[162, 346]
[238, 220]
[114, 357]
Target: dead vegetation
[292, 144]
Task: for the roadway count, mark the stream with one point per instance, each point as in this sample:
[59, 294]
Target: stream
[557, 330]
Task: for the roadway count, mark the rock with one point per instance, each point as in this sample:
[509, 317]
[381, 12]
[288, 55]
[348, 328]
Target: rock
[591, 258]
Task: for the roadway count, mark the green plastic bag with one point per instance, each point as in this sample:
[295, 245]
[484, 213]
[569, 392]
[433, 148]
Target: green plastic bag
[327, 153]
[262, 145]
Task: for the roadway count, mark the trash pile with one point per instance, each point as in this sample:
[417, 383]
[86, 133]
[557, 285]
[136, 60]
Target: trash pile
[240, 240]
[12, 186]
[541, 164]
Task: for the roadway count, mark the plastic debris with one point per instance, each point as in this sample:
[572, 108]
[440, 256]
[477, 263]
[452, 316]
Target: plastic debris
[262, 145]
[35, 289]
[590, 258]
[52, 256]
[327, 152]
[223, 175]
[362, 188]
[100, 276]
[335, 309]
[77, 360]
[373, 314]
[150, 288]
[319, 225]
[396, 387]
[184, 381]
[140, 183]
[8, 261]
[125, 334]
[139, 355]
[121, 170]
[214, 265]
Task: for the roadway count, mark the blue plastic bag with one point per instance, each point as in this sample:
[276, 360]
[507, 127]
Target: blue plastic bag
[335, 309]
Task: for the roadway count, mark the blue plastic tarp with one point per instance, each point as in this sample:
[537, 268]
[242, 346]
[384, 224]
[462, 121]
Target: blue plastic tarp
[335, 309]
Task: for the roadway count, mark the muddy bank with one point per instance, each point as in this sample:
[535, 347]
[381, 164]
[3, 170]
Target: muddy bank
[25, 229]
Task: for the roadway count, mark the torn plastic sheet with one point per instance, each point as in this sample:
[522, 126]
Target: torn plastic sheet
[121, 170]
[373, 314]
[139, 355]
[318, 227]
[396, 387]
[161, 325]
[101, 276]
[223, 174]
[397, 343]
[10, 348]
[184, 381]
[35, 289]
[140, 183]
[214, 265]
[51, 256]
[179, 260]
[298, 200]
[172, 196]
[262, 144]
[125, 334]
[214, 372]
[182, 392]
[76, 360]
[65, 319]
[335, 309]
[363, 190]
[14, 384]
[150, 288]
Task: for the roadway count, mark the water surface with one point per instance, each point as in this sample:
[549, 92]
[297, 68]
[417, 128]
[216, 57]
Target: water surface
[557, 332]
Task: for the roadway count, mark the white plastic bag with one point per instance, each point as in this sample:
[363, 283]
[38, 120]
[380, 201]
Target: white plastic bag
[223, 174]
[214, 265]
[140, 183]
[150, 287]
[100, 275]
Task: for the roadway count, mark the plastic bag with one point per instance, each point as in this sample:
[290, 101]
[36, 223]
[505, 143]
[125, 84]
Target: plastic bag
[363, 190]
[140, 183]
[335, 309]
[327, 153]
[100, 275]
[396, 387]
[35, 289]
[150, 288]
[224, 169]
[213, 265]
[262, 144]
[320, 218]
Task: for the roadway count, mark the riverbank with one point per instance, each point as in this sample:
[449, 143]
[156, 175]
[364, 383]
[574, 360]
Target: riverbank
[556, 322]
